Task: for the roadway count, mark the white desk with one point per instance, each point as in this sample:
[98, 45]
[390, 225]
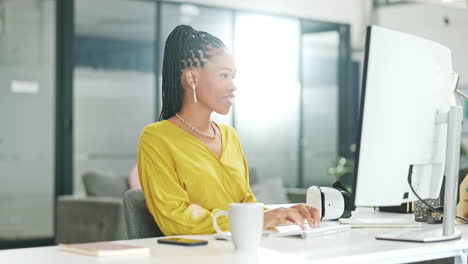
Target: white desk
[356, 246]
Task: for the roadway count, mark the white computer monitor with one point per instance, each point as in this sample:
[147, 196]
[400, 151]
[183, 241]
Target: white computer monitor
[406, 82]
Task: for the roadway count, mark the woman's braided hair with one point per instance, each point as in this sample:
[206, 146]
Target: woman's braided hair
[185, 48]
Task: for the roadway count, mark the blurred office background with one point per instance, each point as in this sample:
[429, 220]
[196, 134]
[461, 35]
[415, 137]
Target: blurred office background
[79, 80]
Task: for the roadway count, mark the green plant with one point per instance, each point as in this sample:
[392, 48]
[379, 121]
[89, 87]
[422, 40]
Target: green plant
[342, 167]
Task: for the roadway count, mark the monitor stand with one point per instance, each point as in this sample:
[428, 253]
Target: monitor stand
[454, 119]
[420, 235]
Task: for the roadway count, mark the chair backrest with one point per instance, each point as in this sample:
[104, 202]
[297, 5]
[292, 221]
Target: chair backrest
[140, 222]
[102, 183]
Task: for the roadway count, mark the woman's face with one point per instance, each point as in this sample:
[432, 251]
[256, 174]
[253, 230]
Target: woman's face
[215, 87]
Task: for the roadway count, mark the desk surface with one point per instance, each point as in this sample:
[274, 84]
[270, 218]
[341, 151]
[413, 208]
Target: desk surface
[356, 246]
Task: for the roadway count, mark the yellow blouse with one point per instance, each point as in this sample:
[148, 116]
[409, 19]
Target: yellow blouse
[185, 183]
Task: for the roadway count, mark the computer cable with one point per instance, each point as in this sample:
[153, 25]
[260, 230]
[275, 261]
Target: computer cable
[410, 174]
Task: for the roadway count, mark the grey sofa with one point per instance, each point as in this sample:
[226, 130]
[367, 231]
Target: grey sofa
[97, 217]
[89, 219]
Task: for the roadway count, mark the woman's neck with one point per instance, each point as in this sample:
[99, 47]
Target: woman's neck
[197, 116]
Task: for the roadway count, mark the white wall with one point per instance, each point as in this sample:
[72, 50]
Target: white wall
[353, 12]
[428, 21]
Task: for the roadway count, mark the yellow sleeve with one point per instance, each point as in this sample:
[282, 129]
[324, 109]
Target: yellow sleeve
[166, 198]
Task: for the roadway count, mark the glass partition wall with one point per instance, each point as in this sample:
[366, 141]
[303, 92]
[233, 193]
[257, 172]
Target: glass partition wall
[27, 125]
[319, 102]
[326, 105]
[319, 105]
[114, 84]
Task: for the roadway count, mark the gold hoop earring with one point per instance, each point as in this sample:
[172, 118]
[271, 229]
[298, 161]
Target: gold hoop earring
[194, 93]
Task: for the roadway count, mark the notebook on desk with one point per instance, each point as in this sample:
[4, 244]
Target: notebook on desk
[104, 249]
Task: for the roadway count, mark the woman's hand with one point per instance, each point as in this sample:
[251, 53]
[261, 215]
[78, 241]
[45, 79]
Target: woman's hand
[296, 214]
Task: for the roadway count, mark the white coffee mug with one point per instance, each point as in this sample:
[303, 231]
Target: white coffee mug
[246, 222]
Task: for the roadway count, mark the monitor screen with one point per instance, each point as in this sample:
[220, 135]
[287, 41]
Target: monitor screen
[406, 83]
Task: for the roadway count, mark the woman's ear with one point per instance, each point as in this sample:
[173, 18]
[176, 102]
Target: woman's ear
[190, 77]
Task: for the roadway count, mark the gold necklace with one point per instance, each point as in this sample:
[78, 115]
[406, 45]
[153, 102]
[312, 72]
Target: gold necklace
[196, 129]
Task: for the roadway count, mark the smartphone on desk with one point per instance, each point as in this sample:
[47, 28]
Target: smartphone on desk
[182, 241]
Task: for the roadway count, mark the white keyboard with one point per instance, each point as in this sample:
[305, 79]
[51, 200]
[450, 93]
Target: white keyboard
[326, 228]
[379, 222]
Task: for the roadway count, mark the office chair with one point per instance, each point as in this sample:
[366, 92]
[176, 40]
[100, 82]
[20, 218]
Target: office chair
[140, 222]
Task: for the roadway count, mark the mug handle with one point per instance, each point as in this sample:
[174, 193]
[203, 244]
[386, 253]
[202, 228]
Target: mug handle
[221, 233]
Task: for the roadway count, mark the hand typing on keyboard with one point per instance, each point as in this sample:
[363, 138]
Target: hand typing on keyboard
[294, 215]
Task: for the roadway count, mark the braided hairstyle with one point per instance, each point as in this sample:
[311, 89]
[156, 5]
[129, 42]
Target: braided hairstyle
[185, 48]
